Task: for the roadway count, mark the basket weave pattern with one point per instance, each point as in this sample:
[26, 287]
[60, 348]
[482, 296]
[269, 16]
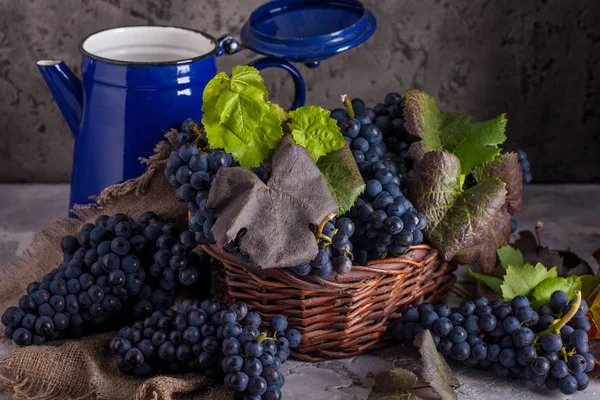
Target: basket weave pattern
[342, 316]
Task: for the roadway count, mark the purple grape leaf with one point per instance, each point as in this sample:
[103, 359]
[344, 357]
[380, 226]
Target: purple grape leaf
[470, 222]
[507, 168]
[278, 215]
[497, 234]
[435, 370]
[393, 384]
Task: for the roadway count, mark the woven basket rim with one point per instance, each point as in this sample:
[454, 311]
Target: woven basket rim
[415, 257]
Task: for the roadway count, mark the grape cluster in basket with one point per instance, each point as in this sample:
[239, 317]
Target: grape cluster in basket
[386, 223]
[383, 223]
[548, 347]
[113, 270]
[191, 168]
[216, 340]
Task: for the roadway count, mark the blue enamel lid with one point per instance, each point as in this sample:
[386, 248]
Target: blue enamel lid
[307, 30]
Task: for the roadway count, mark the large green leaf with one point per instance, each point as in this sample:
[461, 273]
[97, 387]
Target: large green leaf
[459, 220]
[239, 118]
[241, 77]
[343, 177]
[508, 255]
[474, 144]
[521, 280]
[492, 282]
[314, 129]
[275, 237]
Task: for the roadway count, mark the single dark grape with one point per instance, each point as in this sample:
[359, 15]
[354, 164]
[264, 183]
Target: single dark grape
[577, 363]
[567, 385]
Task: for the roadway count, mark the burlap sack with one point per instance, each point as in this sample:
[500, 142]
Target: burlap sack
[83, 368]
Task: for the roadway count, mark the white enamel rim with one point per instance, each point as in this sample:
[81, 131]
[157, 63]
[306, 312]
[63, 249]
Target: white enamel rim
[148, 45]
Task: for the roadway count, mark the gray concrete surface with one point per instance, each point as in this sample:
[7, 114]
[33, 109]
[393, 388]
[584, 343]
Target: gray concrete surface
[536, 60]
[570, 217]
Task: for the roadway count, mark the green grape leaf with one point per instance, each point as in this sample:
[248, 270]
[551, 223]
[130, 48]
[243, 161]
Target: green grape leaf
[543, 291]
[393, 384]
[343, 177]
[521, 280]
[474, 144]
[473, 219]
[238, 117]
[507, 168]
[510, 256]
[241, 77]
[275, 237]
[435, 370]
[281, 113]
[314, 129]
[492, 282]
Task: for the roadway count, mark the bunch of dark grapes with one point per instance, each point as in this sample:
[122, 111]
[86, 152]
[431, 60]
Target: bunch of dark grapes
[175, 261]
[225, 342]
[525, 167]
[386, 224]
[548, 347]
[104, 280]
[191, 168]
[335, 250]
[526, 172]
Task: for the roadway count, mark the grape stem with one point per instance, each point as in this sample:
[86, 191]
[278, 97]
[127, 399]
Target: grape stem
[564, 353]
[348, 104]
[320, 235]
[538, 234]
[555, 328]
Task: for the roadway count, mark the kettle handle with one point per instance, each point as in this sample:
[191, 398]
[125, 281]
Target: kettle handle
[227, 44]
[299, 85]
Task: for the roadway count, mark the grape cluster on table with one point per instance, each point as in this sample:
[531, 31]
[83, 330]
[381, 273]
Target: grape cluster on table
[113, 271]
[226, 342]
[511, 339]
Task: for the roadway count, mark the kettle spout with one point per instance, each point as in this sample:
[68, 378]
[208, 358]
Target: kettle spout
[66, 89]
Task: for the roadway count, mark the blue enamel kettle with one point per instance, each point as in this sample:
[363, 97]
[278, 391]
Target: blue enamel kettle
[140, 81]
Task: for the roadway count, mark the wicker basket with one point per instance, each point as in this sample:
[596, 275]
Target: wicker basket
[339, 317]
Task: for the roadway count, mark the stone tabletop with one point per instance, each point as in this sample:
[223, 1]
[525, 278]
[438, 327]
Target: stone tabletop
[571, 220]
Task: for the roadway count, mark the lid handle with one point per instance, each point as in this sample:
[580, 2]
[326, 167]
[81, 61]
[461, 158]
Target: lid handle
[299, 85]
[228, 45]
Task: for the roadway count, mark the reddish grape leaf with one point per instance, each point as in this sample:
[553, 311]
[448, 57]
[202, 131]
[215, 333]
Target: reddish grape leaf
[485, 251]
[508, 169]
[417, 150]
[278, 215]
[593, 332]
[469, 221]
[594, 312]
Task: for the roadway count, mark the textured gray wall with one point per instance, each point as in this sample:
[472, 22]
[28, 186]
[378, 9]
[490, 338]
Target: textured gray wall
[537, 60]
